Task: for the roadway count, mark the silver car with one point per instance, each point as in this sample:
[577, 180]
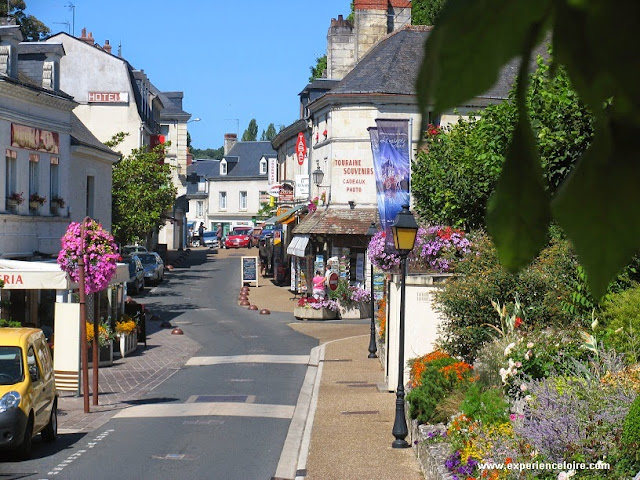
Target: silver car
[153, 267]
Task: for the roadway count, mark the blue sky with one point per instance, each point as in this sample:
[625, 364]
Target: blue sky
[234, 60]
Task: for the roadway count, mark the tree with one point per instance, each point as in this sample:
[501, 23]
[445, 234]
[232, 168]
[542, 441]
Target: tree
[142, 193]
[426, 12]
[251, 133]
[597, 204]
[320, 68]
[269, 134]
[212, 153]
[31, 28]
[453, 180]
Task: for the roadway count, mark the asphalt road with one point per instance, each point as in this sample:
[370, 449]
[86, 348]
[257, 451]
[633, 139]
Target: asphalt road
[225, 415]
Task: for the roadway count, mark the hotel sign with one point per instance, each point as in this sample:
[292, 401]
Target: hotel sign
[108, 97]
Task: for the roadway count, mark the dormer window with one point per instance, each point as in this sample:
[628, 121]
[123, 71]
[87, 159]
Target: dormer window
[223, 167]
[263, 166]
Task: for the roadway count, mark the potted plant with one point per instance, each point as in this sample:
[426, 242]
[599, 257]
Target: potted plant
[15, 199]
[310, 308]
[105, 343]
[353, 302]
[35, 201]
[56, 203]
[127, 334]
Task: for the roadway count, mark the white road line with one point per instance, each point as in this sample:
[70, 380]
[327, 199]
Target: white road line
[226, 409]
[220, 360]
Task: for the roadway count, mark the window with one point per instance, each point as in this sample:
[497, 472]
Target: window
[34, 170]
[90, 195]
[223, 200]
[264, 197]
[11, 171]
[199, 209]
[54, 188]
[263, 166]
[243, 200]
[223, 167]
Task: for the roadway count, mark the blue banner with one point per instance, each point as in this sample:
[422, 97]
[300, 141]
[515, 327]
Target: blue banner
[391, 164]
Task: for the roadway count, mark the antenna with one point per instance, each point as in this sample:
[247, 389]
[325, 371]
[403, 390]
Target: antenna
[64, 23]
[72, 7]
[237, 120]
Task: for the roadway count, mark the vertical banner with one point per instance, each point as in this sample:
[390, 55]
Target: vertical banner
[392, 167]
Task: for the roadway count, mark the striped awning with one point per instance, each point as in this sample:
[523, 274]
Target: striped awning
[298, 245]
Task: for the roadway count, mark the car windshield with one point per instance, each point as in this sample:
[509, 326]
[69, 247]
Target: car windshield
[210, 235]
[11, 370]
[147, 259]
[241, 231]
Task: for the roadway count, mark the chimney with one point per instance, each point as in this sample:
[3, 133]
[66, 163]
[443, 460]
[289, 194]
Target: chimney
[10, 37]
[230, 140]
[107, 47]
[87, 39]
[341, 56]
[51, 69]
[374, 19]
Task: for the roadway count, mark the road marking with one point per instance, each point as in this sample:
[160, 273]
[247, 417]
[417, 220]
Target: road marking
[221, 360]
[226, 409]
[65, 463]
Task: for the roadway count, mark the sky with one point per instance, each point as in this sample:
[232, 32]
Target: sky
[234, 60]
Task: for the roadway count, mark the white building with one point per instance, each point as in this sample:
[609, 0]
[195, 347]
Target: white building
[47, 152]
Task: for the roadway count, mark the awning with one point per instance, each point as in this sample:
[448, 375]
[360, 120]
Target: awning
[20, 275]
[338, 221]
[298, 245]
[284, 216]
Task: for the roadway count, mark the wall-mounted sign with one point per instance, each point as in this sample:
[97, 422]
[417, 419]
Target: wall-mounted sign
[302, 186]
[301, 148]
[35, 139]
[108, 97]
[286, 193]
[274, 190]
[273, 171]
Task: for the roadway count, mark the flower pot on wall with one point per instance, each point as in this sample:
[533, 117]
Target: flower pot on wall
[305, 313]
[34, 206]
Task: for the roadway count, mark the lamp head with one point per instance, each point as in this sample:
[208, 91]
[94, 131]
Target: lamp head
[318, 176]
[404, 230]
[372, 230]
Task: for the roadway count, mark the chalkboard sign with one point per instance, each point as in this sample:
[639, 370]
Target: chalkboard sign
[249, 270]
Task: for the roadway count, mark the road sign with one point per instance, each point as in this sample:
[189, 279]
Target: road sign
[333, 281]
[301, 148]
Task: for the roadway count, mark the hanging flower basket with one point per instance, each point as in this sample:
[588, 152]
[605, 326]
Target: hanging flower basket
[100, 255]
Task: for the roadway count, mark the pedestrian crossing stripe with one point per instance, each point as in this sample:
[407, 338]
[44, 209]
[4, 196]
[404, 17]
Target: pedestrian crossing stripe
[226, 409]
[221, 360]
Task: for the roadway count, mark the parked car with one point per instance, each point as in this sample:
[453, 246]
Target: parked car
[268, 230]
[153, 267]
[135, 284]
[28, 399]
[239, 237]
[211, 240]
[129, 249]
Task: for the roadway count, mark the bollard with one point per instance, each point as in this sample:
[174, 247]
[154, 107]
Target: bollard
[264, 311]
[177, 331]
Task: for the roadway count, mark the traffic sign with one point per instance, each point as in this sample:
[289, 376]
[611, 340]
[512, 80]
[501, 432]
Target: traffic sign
[333, 281]
[301, 148]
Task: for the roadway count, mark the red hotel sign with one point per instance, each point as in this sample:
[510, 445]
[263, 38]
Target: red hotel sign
[108, 97]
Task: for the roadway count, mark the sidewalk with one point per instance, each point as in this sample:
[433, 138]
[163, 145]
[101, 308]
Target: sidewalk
[347, 431]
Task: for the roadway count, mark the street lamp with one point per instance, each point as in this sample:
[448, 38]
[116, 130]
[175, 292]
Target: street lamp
[372, 338]
[404, 230]
[197, 119]
[318, 175]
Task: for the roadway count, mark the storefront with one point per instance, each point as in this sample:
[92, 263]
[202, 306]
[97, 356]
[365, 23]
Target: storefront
[333, 238]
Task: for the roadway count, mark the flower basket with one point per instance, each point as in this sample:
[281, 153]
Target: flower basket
[355, 310]
[34, 205]
[304, 313]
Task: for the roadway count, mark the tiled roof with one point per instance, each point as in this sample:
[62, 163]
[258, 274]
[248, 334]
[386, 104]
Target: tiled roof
[338, 221]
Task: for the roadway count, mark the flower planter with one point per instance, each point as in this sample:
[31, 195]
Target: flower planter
[12, 204]
[105, 355]
[128, 342]
[358, 310]
[305, 313]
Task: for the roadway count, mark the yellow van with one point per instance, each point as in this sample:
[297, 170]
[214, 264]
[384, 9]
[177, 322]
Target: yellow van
[28, 399]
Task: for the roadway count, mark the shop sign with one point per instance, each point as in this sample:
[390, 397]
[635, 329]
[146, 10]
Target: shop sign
[34, 139]
[286, 193]
[274, 190]
[272, 166]
[12, 279]
[301, 148]
[108, 97]
[302, 186]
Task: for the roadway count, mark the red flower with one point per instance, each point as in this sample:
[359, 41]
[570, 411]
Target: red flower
[518, 322]
[325, 132]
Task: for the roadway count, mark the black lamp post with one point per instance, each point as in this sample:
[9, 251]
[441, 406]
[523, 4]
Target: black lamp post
[372, 339]
[404, 230]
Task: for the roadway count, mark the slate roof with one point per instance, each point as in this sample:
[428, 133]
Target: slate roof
[81, 135]
[172, 109]
[243, 160]
[338, 221]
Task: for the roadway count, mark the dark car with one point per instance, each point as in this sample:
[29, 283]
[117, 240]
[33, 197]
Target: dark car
[268, 231]
[153, 267]
[135, 284]
[239, 237]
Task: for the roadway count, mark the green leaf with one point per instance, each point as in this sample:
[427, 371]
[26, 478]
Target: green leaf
[518, 212]
[472, 41]
[599, 205]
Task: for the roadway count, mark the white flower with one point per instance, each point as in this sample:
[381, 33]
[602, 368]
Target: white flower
[530, 345]
[594, 324]
[503, 375]
[507, 350]
[518, 364]
[523, 387]
[527, 355]
[528, 399]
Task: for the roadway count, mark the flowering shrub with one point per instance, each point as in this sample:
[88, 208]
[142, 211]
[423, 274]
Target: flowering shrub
[16, 197]
[100, 255]
[382, 317]
[348, 295]
[311, 302]
[125, 325]
[377, 255]
[105, 335]
[35, 198]
[439, 248]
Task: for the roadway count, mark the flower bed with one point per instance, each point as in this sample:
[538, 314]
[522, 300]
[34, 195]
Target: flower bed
[310, 308]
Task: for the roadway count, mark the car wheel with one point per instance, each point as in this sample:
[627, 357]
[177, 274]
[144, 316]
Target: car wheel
[50, 432]
[24, 450]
